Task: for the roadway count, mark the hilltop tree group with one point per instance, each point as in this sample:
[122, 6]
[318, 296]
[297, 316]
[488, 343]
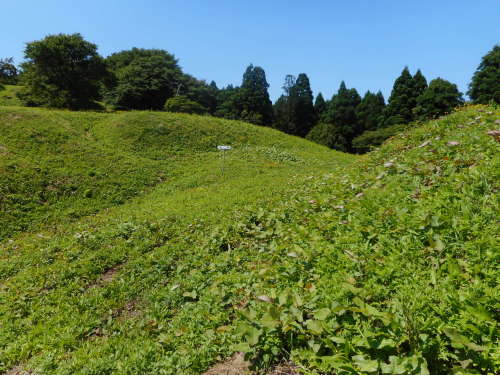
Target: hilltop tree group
[66, 71]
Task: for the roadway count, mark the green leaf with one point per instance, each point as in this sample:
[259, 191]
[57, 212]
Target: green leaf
[268, 321]
[314, 326]
[322, 314]
[253, 336]
[367, 365]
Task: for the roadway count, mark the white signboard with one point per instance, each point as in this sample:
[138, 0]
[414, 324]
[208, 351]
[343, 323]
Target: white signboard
[223, 147]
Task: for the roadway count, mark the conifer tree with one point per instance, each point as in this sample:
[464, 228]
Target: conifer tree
[485, 85]
[402, 100]
[370, 111]
[284, 107]
[319, 106]
[256, 107]
[419, 84]
[342, 112]
[303, 112]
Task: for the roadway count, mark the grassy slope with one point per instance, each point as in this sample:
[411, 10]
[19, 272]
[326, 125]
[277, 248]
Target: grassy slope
[8, 95]
[386, 265]
[67, 176]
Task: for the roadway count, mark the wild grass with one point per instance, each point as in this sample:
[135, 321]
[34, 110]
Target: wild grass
[154, 257]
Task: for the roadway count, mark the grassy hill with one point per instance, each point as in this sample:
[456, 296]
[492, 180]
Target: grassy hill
[8, 96]
[129, 246]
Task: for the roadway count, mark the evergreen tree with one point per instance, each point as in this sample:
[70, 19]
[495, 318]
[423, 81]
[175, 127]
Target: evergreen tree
[370, 111]
[402, 100]
[439, 98]
[320, 106]
[419, 84]
[485, 85]
[284, 107]
[342, 112]
[303, 108]
[256, 107]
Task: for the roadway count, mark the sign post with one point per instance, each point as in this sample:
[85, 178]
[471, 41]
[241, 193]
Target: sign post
[223, 149]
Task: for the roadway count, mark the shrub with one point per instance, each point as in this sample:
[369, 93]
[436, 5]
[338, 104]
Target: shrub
[373, 138]
[183, 104]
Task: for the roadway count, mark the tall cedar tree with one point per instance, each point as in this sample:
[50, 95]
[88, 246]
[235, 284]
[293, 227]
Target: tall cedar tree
[62, 71]
[342, 112]
[370, 111]
[402, 100]
[485, 84]
[320, 106]
[419, 84]
[284, 119]
[256, 107]
[142, 78]
[438, 99]
[294, 111]
[303, 108]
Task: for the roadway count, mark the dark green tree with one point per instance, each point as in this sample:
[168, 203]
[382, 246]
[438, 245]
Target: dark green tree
[303, 108]
[182, 104]
[329, 135]
[439, 98]
[402, 100]
[256, 107]
[143, 78]
[294, 111]
[63, 71]
[342, 112]
[8, 71]
[485, 84]
[419, 84]
[228, 103]
[370, 111]
[320, 106]
[283, 108]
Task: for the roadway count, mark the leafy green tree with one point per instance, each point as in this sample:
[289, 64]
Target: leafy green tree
[256, 107]
[182, 104]
[200, 92]
[320, 106]
[370, 111]
[228, 103]
[142, 78]
[439, 98]
[63, 71]
[485, 84]
[329, 135]
[373, 138]
[342, 112]
[8, 71]
[402, 100]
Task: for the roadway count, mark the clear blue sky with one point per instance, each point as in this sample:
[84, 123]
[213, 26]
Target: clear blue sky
[364, 42]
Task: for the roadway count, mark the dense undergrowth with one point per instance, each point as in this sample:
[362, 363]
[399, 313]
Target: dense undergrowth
[386, 263]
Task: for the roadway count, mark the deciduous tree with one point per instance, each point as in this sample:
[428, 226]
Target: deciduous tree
[63, 71]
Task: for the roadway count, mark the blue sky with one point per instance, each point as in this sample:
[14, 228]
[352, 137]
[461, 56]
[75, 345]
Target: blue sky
[364, 42]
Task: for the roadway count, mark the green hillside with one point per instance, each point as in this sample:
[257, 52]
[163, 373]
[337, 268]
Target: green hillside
[129, 245]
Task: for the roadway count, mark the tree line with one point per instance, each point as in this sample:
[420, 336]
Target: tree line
[66, 71]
